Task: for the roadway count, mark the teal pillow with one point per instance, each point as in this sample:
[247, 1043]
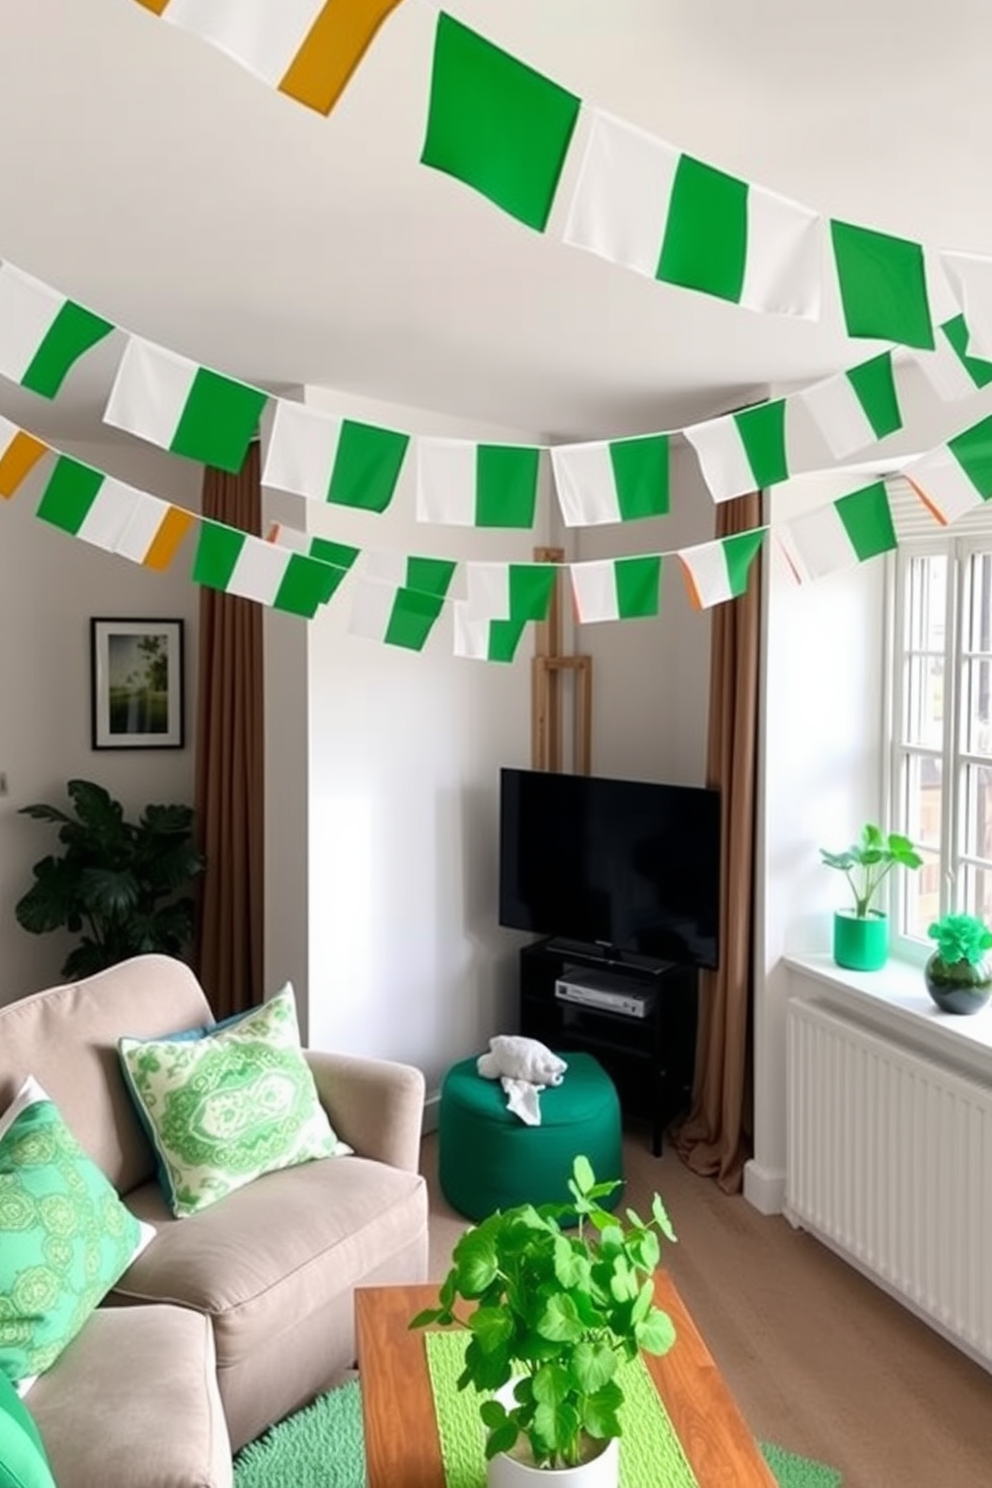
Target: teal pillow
[23, 1463]
[65, 1236]
[226, 1108]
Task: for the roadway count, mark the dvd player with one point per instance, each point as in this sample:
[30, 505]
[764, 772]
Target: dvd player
[604, 992]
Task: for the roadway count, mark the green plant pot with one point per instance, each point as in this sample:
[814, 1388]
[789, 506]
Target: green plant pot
[861, 944]
[958, 986]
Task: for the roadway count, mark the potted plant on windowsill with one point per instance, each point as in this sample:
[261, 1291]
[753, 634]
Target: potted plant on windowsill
[551, 1315]
[861, 933]
[958, 974]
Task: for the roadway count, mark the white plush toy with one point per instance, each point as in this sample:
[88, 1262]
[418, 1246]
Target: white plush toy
[524, 1066]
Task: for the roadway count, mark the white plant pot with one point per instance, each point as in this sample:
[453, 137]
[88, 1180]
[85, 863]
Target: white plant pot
[602, 1471]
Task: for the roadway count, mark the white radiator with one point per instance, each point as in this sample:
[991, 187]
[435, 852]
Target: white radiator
[890, 1163]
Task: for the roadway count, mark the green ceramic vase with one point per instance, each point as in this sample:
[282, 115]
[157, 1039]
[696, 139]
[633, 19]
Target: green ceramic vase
[861, 944]
[958, 986]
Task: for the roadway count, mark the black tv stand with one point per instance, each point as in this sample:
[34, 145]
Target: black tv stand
[651, 1059]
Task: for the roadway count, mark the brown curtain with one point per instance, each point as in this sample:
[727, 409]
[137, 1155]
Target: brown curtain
[716, 1136]
[229, 766]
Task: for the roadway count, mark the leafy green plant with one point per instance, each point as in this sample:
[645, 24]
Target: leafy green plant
[960, 937]
[118, 882]
[868, 862]
[555, 1312]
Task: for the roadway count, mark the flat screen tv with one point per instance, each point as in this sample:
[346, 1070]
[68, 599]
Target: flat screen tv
[625, 867]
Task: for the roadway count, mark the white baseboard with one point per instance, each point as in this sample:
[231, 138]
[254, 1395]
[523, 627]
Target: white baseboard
[764, 1188]
[431, 1107]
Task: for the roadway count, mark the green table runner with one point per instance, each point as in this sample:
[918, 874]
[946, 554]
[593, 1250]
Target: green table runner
[651, 1455]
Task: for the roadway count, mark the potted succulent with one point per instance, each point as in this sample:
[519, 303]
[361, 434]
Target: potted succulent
[861, 933]
[119, 883]
[551, 1312]
[958, 974]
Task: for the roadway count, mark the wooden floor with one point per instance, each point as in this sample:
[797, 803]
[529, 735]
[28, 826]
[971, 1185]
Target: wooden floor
[821, 1361]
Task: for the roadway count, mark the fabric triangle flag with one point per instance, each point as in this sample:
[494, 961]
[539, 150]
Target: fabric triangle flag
[154, 532]
[641, 203]
[486, 640]
[742, 452]
[718, 571]
[850, 530]
[956, 476]
[239, 563]
[616, 588]
[42, 333]
[307, 49]
[950, 369]
[858, 407]
[619, 481]
[510, 591]
[19, 454]
[970, 276]
[496, 124]
[883, 285]
[395, 615]
[332, 459]
[477, 485]
[338, 554]
[86, 503]
[184, 408]
[425, 575]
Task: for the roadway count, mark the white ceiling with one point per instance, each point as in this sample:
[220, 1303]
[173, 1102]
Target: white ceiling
[151, 178]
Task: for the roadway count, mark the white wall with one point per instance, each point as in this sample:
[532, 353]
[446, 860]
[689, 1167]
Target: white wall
[51, 584]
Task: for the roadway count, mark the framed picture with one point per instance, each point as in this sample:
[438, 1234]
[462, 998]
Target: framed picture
[137, 683]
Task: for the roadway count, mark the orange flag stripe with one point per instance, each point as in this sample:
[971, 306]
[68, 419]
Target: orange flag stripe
[155, 6]
[165, 544]
[934, 512]
[695, 598]
[21, 456]
[335, 44]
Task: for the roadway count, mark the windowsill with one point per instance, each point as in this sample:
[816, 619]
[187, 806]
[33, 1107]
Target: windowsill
[895, 1001]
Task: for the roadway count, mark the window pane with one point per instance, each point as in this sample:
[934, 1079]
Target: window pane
[978, 607]
[976, 798]
[976, 706]
[919, 894]
[926, 600]
[977, 893]
[925, 700]
[920, 818]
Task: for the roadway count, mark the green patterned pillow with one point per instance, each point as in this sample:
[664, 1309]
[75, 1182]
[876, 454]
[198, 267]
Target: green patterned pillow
[23, 1463]
[65, 1236]
[224, 1109]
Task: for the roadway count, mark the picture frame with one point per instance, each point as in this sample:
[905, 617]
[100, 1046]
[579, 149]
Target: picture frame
[137, 683]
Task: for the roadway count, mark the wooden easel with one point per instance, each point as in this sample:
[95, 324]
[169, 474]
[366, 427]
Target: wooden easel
[548, 670]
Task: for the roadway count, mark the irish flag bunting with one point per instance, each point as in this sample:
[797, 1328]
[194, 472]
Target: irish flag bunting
[86, 503]
[395, 615]
[42, 334]
[618, 481]
[154, 531]
[718, 571]
[970, 277]
[426, 575]
[616, 588]
[328, 458]
[496, 124]
[19, 454]
[239, 563]
[858, 407]
[850, 530]
[742, 451]
[182, 407]
[338, 554]
[957, 475]
[641, 203]
[308, 49]
[950, 369]
[883, 285]
[477, 485]
[510, 591]
[486, 640]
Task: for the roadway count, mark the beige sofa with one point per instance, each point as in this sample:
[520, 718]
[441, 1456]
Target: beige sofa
[241, 1313]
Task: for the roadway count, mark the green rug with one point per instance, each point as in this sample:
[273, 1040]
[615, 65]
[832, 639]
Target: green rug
[323, 1447]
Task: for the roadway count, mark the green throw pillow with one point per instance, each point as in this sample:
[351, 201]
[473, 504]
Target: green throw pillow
[226, 1108]
[65, 1236]
[23, 1463]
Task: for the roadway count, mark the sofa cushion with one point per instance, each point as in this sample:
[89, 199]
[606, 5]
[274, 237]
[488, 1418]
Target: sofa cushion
[65, 1235]
[225, 1107]
[23, 1463]
[134, 1400]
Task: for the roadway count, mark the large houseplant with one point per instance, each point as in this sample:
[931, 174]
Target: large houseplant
[120, 883]
[551, 1313]
[861, 933]
[958, 974]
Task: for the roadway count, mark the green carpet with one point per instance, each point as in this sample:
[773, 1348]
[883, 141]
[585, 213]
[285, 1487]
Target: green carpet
[323, 1447]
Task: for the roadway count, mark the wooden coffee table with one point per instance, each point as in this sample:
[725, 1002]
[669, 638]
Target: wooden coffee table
[401, 1442]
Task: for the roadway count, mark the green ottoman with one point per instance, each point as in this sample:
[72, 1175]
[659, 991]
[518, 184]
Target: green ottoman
[489, 1159]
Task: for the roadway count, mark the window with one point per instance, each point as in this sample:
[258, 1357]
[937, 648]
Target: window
[940, 764]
